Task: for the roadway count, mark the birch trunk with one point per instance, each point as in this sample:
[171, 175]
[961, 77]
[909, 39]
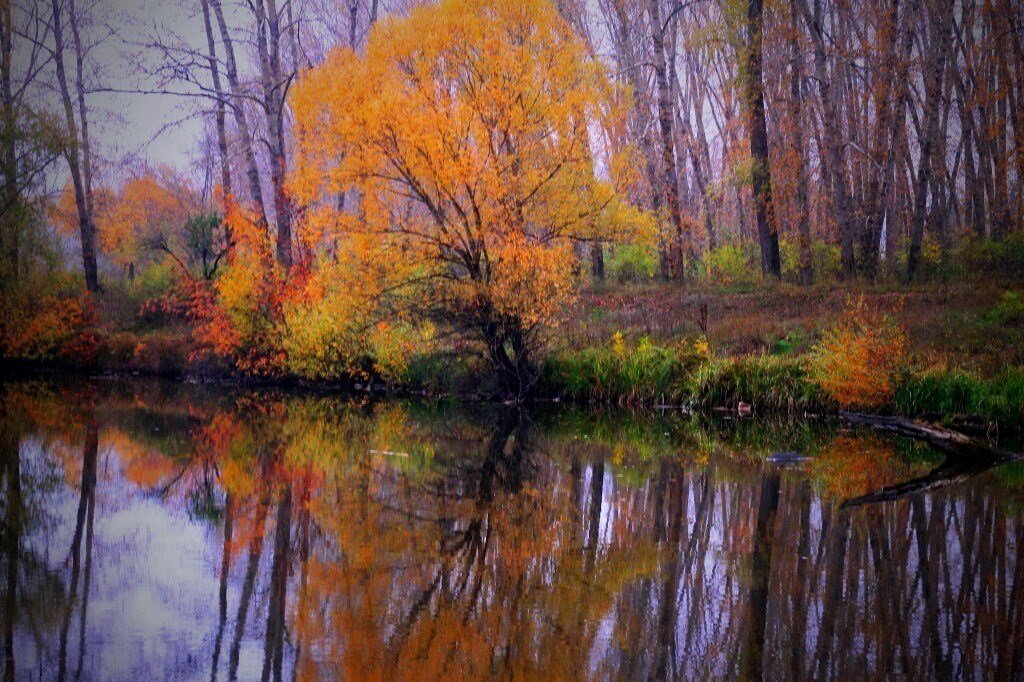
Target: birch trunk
[669, 174]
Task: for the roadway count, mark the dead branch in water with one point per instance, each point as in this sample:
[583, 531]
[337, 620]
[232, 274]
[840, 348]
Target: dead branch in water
[966, 457]
[953, 443]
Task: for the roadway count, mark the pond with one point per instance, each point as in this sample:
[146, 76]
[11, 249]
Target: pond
[159, 530]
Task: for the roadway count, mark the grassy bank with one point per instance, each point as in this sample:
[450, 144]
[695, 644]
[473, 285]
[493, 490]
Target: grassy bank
[770, 383]
[961, 350]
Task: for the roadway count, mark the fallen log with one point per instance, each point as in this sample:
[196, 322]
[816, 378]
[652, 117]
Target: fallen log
[966, 457]
[953, 443]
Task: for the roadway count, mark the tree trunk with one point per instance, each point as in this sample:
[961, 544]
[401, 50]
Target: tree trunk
[11, 208]
[834, 163]
[687, 142]
[73, 152]
[974, 202]
[703, 155]
[83, 118]
[760, 574]
[219, 115]
[353, 10]
[238, 99]
[805, 270]
[889, 125]
[273, 645]
[86, 497]
[930, 132]
[597, 259]
[10, 442]
[953, 443]
[767, 233]
[670, 178]
[268, 46]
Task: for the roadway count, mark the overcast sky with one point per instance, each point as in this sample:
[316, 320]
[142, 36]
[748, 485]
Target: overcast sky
[157, 128]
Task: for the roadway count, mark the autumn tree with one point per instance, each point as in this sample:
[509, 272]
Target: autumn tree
[64, 210]
[158, 215]
[143, 216]
[470, 130]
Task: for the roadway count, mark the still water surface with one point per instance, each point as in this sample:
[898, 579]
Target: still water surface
[168, 531]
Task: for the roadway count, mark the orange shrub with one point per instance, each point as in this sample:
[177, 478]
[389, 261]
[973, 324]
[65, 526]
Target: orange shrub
[61, 328]
[857, 359]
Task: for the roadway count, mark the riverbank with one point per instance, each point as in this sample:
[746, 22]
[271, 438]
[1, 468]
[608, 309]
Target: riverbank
[653, 377]
[769, 383]
[730, 349]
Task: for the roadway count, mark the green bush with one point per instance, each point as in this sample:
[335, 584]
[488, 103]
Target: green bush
[824, 257]
[679, 374]
[447, 373]
[155, 280]
[993, 256]
[1009, 310]
[633, 264]
[617, 373]
[732, 264]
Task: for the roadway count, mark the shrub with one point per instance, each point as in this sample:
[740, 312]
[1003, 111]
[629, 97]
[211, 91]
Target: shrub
[633, 264]
[163, 351]
[59, 328]
[155, 280]
[1009, 310]
[128, 303]
[936, 261]
[857, 360]
[238, 318]
[731, 264]
[824, 256]
[172, 305]
[994, 256]
[318, 344]
[621, 373]
[449, 372]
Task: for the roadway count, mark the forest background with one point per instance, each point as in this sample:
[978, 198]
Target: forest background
[791, 204]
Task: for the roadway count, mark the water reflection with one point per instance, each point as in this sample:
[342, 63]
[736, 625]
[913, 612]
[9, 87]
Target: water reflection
[156, 531]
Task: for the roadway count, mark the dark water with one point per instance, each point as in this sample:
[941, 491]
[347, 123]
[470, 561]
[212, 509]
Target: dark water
[155, 531]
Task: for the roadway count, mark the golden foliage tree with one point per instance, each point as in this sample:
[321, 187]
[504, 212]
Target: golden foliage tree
[148, 215]
[481, 141]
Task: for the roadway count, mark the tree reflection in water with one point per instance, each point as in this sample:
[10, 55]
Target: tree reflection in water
[262, 535]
